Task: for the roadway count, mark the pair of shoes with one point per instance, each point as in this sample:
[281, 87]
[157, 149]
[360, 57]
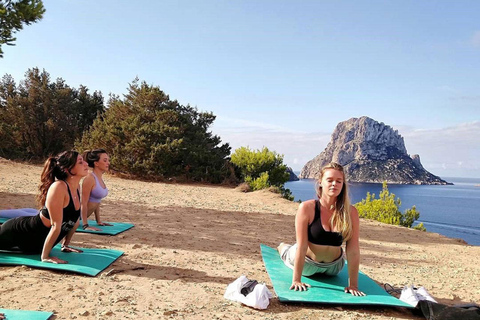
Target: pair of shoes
[424, 295]
[413, 295]
[410, 296]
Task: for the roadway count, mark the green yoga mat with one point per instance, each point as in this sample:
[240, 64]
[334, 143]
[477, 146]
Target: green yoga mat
[328, 290]
[23, 314]
[91, 262]
[118, 227]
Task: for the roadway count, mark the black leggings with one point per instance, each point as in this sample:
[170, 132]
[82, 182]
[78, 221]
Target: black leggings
[26, 234]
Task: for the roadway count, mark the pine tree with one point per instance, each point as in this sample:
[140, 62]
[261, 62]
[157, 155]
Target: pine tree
[14, 14]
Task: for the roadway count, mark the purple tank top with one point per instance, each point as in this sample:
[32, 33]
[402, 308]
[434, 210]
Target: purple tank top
[98, 193]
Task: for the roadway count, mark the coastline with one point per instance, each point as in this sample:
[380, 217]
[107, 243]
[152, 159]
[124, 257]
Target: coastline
[190, 242]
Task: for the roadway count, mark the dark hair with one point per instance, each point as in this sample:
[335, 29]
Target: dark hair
[92, 156]
[56, 168]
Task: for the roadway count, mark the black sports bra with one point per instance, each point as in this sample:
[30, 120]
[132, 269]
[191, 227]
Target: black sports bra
[70, 214]
[318, 235]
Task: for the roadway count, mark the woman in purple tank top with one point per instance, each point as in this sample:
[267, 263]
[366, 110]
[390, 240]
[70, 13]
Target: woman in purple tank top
[93, 187]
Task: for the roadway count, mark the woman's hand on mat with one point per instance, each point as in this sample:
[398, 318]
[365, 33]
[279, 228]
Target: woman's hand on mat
[2, 316]
[104, 224]
[354, 291]
[68, 249]
[299, 286]
[93, 228]
[54, 260]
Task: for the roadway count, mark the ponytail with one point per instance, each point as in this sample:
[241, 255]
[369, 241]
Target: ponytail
[55, 168]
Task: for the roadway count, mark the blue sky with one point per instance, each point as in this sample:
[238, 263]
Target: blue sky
[281, 74]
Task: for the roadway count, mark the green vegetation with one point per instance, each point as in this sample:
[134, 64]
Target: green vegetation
[385, 209]
[150, 136]
[13, 14]
[39, 117]
[262, 169]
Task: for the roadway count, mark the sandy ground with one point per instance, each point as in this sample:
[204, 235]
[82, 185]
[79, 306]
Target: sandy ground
[190, 241]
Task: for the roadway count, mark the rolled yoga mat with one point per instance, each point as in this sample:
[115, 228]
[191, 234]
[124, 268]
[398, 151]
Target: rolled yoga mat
[324, 289]
[118, 227]
[13, 213]
[90, 262]
[24, 314]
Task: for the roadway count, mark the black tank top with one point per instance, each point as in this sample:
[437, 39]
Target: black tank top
[318, 235]
[70, 214]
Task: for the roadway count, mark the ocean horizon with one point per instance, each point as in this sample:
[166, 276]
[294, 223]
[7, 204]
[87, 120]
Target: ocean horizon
[450, 210]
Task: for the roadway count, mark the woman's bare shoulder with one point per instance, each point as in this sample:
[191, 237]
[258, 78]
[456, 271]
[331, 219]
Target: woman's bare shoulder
[89, 179]
[306, 206]
[353, 211]
[58, 187]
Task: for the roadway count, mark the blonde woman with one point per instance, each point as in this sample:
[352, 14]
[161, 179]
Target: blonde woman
[321, 227]
[93, 187]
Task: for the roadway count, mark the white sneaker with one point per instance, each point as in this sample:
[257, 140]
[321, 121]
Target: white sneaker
[409, 296]
[423, 294]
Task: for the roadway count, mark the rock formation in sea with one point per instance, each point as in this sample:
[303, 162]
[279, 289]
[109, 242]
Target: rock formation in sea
[370, 151]
[293, 176]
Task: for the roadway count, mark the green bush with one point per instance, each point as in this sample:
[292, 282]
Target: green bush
[39, 117]
[262, 169]
[150, 136]
[386, 210]
[259, 183]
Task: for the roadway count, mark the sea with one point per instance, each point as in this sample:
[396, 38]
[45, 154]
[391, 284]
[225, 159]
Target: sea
[450, 210]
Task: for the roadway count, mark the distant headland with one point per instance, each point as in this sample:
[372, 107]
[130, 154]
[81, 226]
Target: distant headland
[371, 151]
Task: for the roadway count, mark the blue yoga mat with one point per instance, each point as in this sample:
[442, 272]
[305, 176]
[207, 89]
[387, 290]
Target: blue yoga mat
[325, 289]
[118, 227]
[23, 314]
[91, 262]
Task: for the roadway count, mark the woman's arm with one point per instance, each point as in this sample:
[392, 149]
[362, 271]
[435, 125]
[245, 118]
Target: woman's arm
[353, 255]
[97, 217]
[301, 231]
[55, 202]
[68, 237]
[87, 187]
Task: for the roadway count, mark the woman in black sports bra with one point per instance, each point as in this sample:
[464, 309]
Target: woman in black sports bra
[59, 217]
[321, 227]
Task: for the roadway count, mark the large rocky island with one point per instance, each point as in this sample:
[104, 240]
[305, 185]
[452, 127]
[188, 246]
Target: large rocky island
[370, 151]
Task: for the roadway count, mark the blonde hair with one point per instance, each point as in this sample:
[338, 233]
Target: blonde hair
[340, 219]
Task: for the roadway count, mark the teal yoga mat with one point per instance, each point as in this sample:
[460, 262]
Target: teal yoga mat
[91, 262]
[328, 290]
[118, 227]
[23, 314]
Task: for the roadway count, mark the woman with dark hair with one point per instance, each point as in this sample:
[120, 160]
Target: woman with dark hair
[93, 187]
[58, 218]
[321, 228]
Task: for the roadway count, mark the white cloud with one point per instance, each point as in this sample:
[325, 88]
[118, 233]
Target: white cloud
[448, 89]
[446, 152]
[451, 151]
[297, 147]
[475, 40]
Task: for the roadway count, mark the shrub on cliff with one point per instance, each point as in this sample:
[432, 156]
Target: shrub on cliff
[262, 169]
[150, 136]
[385, 209]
